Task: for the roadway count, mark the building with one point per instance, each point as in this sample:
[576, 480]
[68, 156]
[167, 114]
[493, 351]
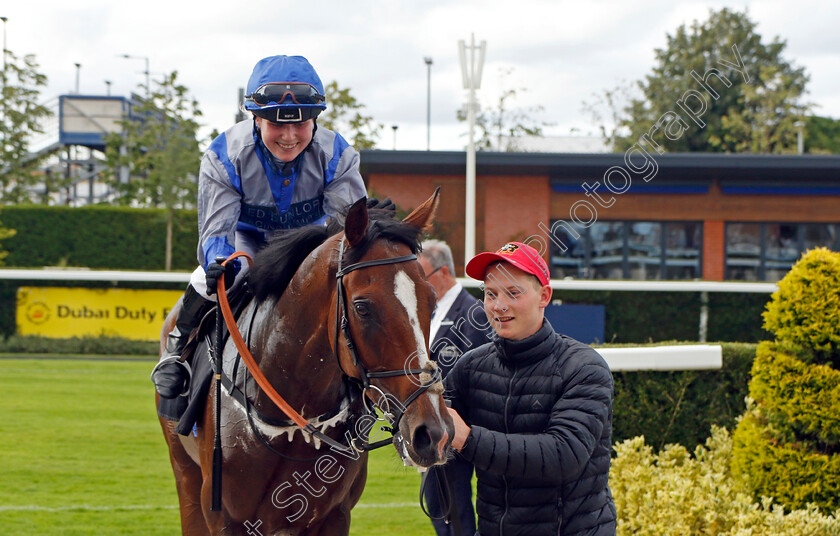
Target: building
[630, 216]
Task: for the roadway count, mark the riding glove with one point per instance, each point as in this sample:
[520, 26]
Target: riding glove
[215, 271]
[385, 204]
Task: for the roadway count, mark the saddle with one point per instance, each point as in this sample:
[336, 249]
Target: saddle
[188, 409]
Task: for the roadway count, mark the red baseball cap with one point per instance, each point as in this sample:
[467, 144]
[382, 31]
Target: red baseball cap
[518, 254]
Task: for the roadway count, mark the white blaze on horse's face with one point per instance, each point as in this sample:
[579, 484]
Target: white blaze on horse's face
[405, 292]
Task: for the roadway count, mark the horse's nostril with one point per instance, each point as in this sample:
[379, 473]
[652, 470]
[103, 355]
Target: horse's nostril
[422, 440]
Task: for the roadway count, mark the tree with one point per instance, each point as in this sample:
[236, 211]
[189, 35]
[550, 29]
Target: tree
[717, 88]
[21, 117]
[343, 115]
[501, 127]
[822, 135]
[613, 101]
[161, 151]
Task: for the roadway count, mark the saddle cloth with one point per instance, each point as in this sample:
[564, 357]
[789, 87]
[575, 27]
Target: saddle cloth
[188, 409]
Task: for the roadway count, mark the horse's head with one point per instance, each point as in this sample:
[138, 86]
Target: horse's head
[382, 316]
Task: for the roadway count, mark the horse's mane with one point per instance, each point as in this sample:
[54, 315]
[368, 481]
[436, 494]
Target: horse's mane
[276, 263]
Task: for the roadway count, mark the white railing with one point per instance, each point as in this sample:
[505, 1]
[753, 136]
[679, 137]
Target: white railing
[74, 274]
[83, 274]
[687, 357]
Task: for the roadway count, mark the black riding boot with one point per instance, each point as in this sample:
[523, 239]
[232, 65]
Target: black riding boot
[171, 375]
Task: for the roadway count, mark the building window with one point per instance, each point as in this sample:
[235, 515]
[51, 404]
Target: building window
[607, 250]
[683, 244]
[628, 250]
[766, 251]
[743, 251]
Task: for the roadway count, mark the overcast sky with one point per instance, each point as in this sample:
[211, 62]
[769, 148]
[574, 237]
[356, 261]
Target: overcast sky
[562, 52]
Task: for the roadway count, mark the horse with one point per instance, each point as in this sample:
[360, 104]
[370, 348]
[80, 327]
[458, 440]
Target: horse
[339, 325]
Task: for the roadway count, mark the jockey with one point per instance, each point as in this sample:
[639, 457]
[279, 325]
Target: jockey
[276, 170]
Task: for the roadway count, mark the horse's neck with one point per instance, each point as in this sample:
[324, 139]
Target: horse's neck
[292, 336]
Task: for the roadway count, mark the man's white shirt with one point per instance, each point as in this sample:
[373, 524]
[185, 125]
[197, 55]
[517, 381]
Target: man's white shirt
[442, 308]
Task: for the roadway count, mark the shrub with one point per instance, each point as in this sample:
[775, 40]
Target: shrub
[787, 445]
[800, 400]
[675, 493]
[805, 311]
[794, 473]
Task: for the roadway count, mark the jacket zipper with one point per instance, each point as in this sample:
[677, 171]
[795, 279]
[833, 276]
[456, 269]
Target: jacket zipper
[507, 431]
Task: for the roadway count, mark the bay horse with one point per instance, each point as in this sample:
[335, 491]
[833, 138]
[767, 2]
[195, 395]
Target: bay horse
[338, 324]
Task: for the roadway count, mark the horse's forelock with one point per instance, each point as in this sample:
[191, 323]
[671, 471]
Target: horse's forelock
[386, 229]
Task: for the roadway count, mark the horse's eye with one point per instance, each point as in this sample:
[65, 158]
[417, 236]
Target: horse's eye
[362, 307]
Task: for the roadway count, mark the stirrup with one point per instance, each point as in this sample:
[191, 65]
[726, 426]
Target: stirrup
[180, 373]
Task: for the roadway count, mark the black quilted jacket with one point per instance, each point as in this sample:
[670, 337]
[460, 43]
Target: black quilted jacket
[540, 410]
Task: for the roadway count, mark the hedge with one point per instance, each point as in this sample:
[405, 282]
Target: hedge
[118, 238]
[79, 346]
[681, 406]
[643, 317]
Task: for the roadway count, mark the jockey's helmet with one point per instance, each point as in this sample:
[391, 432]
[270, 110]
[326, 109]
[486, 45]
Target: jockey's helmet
[284, 89]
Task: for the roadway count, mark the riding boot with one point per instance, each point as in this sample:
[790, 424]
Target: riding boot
[171, 375]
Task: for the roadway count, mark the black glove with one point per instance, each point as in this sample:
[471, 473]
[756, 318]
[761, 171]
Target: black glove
[385, 204]
[215, 271]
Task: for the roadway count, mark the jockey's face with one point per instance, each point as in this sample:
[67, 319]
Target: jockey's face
[286, 140]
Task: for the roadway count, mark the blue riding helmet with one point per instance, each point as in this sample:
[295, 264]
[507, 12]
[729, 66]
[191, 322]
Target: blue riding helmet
[284, 89]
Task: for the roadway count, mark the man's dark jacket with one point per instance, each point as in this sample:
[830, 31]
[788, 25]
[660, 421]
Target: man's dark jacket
[463, 328]
[540, 410]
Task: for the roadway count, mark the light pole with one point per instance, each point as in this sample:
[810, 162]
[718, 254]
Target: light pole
[4, 19]
[78, 70]
[800, 142]
[471, 75]
[146, 58]
[428, 61]
[395, 127]
[108, 87]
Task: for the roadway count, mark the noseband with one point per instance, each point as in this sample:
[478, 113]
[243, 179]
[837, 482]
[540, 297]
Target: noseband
[343, 324]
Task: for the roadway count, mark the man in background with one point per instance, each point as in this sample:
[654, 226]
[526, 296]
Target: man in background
[458, 325]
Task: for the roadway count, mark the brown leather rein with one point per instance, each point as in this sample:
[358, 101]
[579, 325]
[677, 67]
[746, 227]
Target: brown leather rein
[262, 381]
[254, 368]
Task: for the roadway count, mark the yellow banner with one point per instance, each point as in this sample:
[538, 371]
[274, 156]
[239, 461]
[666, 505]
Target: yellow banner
[76, 312]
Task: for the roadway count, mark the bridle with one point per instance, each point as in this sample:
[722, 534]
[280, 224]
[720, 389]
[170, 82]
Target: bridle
[342, 324]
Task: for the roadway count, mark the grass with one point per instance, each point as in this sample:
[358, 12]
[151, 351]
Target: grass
[81, 452]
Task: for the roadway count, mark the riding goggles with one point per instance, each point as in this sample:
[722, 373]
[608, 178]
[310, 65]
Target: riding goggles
[276, 92]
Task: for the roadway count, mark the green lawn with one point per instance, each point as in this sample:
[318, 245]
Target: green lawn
[81, 453]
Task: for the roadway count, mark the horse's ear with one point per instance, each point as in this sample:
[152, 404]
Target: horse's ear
[356, 222]
[423, 216]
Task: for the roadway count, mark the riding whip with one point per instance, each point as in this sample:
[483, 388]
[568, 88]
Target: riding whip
[216, 485]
